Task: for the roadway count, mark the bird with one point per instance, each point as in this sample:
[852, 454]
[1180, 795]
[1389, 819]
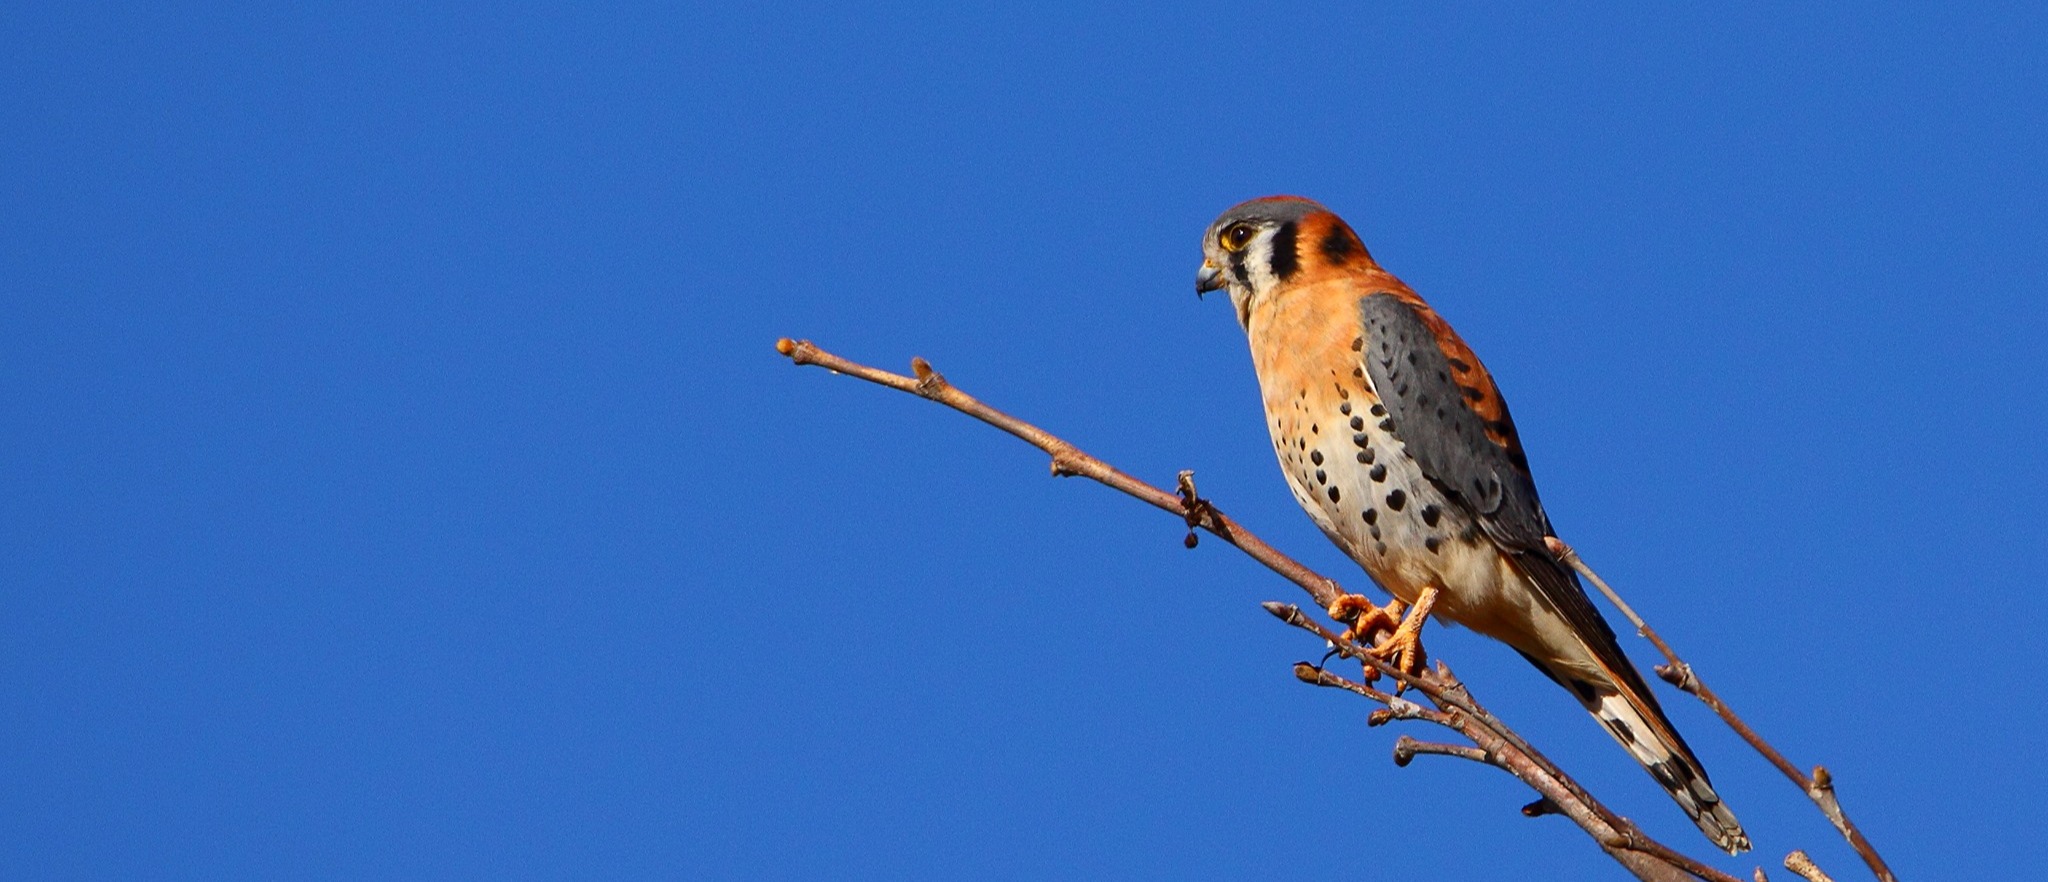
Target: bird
[1397, 442]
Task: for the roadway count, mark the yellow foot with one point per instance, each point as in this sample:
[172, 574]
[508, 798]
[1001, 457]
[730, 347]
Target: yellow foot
[1364, 618]
[1403, 648]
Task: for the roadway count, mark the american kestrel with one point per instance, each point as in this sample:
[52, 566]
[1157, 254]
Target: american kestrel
[1396, 441]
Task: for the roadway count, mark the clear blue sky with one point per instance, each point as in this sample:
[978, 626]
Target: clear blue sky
[397, 480]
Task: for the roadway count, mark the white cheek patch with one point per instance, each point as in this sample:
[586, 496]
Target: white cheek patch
[1251, 276]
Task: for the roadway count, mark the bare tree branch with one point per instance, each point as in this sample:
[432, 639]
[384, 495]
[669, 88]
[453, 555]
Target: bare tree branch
[1819, 787]
[1493, 743]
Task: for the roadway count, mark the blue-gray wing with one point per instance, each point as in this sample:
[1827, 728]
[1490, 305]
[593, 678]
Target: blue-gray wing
[1435, 399]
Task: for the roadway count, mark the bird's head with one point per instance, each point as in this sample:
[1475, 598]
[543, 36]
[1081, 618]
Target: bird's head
[1257, 246]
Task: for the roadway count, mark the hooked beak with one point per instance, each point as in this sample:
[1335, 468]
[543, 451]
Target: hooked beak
[1208, 279]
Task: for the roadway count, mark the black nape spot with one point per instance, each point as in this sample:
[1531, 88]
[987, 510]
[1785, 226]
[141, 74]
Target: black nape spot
[1372, 515]
[1333, 494]
[1338, 245]
[1316, 456]
[1396, 499]
[1431, 514]
[1379, 473]
[1285, 262]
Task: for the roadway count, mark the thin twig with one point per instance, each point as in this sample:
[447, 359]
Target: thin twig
[1799, 863]
[1819, 787]
[1407, 748]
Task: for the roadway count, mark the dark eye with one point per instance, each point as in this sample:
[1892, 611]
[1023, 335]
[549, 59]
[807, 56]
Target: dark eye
[1234, 237]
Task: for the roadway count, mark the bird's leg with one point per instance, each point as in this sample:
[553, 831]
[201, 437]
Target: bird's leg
[1403, 648]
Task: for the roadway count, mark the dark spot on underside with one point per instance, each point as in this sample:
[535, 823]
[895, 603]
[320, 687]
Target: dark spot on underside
[1316, 456]
[1397, 498]
[1333, 494]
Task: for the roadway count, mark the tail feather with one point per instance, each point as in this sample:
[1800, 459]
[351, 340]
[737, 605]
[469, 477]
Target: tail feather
[1653, 743]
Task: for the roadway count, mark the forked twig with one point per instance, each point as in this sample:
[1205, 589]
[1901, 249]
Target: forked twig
[1819, 787]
